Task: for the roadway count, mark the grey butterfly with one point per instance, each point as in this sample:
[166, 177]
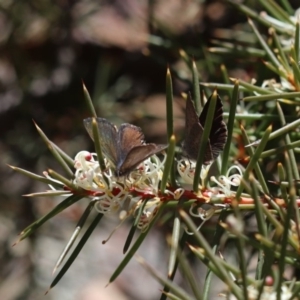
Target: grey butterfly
[194, 127]
[124, 147]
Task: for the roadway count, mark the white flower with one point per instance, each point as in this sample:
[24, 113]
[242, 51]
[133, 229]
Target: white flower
[113, 193]
[269, 293]
[148, 213]
[186, 170]
[226, 182]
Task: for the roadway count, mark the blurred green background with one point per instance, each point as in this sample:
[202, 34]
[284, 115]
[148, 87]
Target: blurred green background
[120, 50]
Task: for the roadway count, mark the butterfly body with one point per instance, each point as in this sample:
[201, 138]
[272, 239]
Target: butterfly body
[194, 127]
[125, 147]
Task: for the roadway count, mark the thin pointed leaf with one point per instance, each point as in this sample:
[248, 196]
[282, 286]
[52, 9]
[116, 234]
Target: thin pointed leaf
[297, 41]
[196, 88]
[225, 74]
[256, 167]
[284, 239]
[134, 226]
[288, 8]
[89, 101]
[230, 127]
[296, 72]
[96, 135]
[216, 242]
[38, 177]
[211, 256]
[74, 236]
[174, 243]
[70, 161]
[276, 11]
[66, 249]
[294, 167]
[291, 95]
[185, 57]
[55, 153]
[254, 15]
[172, 296]
[240, 249]
[255, 116]
[254, 159]
[288, 142]
[56, 210]
[169, 103]
[76, 250]
[232, 269]
[188, 275]
[204, 140]
[168, 167]
[283, 130]
[202, 94]
[179, 292]
[252, 88]
[282, 177]
[50, 193]
[220, 86]
[171, 276]
[64, 180]
[261, 222]
[281, 53]
[170, 119]
[280, 71]
[265, 255]
[135, 246]
[265, 46]
[291, 173]
[280, 149]
[234, 49]
[279, 227]
[296, 292]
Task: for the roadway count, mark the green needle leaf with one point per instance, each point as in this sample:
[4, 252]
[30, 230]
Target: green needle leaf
[134, 227]
[196, 87]
[169, 164]
[55, 153]
[56, 210]
[89, 101]
[230, 127]
[135, 246]
[75, 234]
[204, 140]
[76, 250]
[254, 159]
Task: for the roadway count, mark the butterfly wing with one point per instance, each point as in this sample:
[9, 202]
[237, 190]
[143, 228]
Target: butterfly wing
[108, 137]
[137, 155]
[218, 132]
[193, 131]
[132, 149]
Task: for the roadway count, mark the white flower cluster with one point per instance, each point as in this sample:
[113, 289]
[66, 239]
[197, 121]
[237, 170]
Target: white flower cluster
[186, 170]
[268, 293]
[127, 194]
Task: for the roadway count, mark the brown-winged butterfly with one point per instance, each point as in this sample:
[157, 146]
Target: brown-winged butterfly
[124, 147]
[194, 127]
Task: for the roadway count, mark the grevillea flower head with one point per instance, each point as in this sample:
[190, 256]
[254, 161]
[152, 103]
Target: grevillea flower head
[186, 170]
[227, 182]
[110, 191]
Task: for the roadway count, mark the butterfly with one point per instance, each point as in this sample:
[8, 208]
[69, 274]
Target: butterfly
[124, 147]
[194, 127]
